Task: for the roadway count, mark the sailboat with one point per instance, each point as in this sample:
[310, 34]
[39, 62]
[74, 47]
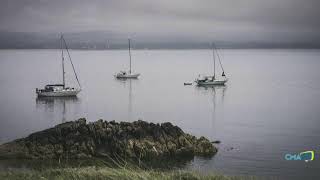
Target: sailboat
[213, 80]
[127, 74]
[60, 90]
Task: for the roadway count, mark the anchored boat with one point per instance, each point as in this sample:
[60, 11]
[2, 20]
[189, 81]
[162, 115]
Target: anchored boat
[127, 74]
[60, 90]
[204, 80]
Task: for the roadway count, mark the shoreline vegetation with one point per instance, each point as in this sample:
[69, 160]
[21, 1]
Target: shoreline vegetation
[107, 150]
[94, 173]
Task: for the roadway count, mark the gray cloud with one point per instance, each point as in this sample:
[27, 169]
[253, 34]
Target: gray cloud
[233, 20]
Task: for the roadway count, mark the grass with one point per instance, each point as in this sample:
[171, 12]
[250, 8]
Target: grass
[96, 169]
[97, 173]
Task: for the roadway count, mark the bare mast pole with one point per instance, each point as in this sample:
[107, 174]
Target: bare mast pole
[223, 74]
[214, 62]
[129, 56]
[74, 70]
[62, 57]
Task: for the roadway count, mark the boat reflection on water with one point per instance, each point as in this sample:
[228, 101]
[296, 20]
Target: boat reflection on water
[56, 105]
[216, 92]
[217, 96]
[128, 84]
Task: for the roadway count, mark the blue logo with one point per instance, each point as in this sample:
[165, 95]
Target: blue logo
[303, 156]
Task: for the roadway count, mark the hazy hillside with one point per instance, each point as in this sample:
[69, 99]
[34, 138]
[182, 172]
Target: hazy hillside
[111, 40]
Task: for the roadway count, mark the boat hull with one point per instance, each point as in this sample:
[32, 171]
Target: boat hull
[63, 93]
[211, 83]
[126, 76]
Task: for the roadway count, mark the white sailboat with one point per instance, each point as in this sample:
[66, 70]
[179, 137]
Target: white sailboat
[128, 74]
[60, 90]
[204, 80]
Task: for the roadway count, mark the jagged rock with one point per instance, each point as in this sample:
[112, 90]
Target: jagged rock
[136, 140]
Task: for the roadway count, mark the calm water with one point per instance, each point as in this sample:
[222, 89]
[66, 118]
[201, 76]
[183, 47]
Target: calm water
[270, 106]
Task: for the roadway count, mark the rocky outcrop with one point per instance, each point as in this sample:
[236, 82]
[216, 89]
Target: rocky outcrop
[136, 140]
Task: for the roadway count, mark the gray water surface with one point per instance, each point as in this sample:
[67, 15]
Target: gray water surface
[269, 107]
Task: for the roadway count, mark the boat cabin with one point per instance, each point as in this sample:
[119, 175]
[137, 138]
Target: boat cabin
[123, 72]
[54, 87]
[204, 78]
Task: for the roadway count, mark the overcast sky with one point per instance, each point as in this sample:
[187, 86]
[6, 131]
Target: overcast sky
[253, 20]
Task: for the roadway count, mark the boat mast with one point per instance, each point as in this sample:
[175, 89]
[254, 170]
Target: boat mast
[223, 74]
[62, 57]
[129, 56]
[214, 62]
[74, 70]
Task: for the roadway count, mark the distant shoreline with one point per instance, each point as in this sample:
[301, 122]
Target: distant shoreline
[122, 49]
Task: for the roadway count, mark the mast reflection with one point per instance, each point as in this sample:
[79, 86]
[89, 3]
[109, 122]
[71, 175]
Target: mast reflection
[217, 96]
[56, 104]
[128, 83]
